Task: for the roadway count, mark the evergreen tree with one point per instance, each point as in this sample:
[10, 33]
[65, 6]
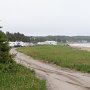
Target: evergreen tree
[4, 49]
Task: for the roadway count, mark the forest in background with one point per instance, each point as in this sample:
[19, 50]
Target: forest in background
[34, 39]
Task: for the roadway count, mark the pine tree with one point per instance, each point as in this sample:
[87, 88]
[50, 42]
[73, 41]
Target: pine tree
[4, 49]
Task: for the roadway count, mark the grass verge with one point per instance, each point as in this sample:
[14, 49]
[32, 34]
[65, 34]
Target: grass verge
[17, 77]
[60, 55]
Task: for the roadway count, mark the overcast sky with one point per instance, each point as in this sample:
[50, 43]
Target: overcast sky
[46, 17]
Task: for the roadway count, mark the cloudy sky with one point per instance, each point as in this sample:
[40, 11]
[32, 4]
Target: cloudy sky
[46, 17]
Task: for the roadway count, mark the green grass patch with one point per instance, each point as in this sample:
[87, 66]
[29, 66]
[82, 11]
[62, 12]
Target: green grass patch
[60, 55]
[16, 77]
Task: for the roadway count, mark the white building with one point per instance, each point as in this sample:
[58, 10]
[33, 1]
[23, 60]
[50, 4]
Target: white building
[41, 43]
[31, 44]
[47, 43]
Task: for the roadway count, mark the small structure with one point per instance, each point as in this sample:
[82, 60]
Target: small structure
[31, 44]
[47, 43]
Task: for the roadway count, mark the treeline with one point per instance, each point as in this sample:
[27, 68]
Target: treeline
[63, 39]
[48, 38]
[17, 37]
[21, 37]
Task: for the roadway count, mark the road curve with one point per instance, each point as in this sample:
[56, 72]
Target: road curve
[56, 78]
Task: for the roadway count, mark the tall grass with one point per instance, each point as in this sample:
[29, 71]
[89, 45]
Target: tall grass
[17, 77]
[60, 55]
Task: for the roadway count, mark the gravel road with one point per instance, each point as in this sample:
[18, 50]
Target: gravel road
[57, 78]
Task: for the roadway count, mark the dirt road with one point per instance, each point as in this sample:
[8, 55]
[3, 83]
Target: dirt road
[56, 78]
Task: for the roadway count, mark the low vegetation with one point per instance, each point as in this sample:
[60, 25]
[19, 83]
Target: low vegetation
[17, 77]
[60, 55]
[14, 76]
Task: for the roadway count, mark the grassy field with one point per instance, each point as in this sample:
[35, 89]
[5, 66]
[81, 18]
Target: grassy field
[60, 55]
[17, 77]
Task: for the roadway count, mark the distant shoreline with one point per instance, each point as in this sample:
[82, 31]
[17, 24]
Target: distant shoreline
[81, 46]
